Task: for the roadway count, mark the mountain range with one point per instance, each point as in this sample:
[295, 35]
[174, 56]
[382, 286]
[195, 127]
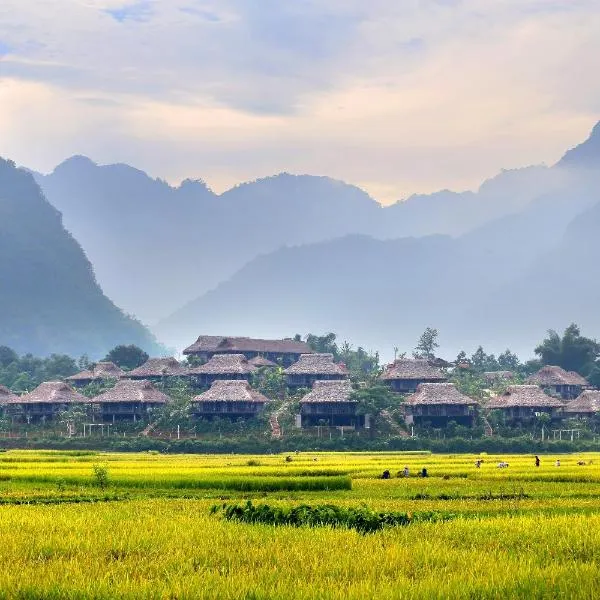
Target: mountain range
[49, 298]
[299, 253]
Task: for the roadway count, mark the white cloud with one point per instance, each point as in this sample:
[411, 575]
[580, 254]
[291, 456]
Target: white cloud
[399, 97]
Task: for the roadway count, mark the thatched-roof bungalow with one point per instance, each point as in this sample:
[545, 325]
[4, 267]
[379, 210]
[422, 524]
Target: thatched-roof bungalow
[222, 366]
[129, 400]
[555, 380]
[406, 374]
[314, 367]
[284, 352]
[524, 402]
[47, 400]
[492, 377]
[330, 403]
[438, 404]
[586, 405]
[158, 368]
[7, 399]
[102, 371]
[260, 362]
[228, 399]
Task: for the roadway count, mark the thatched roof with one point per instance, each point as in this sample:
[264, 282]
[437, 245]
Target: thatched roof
[526, 396]
[329, 391]
[225, 364]
[7, 397]
[228, 390]
[219, 343]
[159, 367]
[261, 361]
[101, 371]
[54, 392]
[413, 368]
[552, 375]
[586, 402]
[438, 393]
[127, 390]
[316, 364]
[491, 376]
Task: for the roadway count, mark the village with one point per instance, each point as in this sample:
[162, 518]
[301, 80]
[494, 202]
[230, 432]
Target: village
[220, 372]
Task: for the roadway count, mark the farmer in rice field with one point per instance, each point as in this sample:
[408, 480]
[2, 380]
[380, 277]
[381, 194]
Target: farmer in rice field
[558, 462]
[405, 471]
[385, 475]
[537, 461]
[478, 464]
[424, 472]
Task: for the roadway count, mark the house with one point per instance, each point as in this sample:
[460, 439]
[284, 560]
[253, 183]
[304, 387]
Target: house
[158, 368]
[47, 400]
[406, 374]
[555, 380]
[524, 402]
[260, 361]
[493, 377]
[438, 404]
[129, 400]
[586, 405]
[102, 371]
[314, 367]
[222, 366]
[228, 399]
[284, 352]
[7, 400]
[329, 403]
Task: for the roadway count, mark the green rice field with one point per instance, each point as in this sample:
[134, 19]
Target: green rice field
[102, 525]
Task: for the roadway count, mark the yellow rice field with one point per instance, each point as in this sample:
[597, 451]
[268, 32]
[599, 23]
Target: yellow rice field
[519, 532]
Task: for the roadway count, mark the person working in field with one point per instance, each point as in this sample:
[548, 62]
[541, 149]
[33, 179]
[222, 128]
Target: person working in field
[558, 462]
[537, 461]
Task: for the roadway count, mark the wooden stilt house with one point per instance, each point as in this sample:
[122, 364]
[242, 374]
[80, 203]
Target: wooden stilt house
[330, 403]
[558, 382]
[129, 400]
[156, 369]
[522, 403]
[222, 366]
[585, 406]
[438, 404]
[228, 399]
[49, 399]
[102, 371]
[8, 401]
[406, 374]
[314, 367]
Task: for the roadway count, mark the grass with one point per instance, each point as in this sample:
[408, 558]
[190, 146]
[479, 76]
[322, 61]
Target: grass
[519, 532]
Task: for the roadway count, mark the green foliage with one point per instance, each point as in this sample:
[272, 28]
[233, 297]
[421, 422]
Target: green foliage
[375, 398]
[427, 344]
[270, 381]
[100, 476]
[127, 357]
[363, 519]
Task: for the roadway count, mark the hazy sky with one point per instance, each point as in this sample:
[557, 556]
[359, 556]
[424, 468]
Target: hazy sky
[395, 96]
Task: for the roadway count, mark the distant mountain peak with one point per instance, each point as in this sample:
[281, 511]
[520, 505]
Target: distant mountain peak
[78, 161]
[586, 154]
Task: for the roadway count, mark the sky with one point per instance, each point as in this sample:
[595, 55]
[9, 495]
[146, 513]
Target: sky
[396, 97]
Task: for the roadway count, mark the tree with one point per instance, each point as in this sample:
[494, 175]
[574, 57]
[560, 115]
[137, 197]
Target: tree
[572, 351]
[508, 361]
[480, 361]
[374, 399]
[323, 343]
[427, 344]
[7, 356]
[127, 357]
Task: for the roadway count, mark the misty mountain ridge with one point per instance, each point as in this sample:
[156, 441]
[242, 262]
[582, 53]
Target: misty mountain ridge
[49, 298]
[193, 240]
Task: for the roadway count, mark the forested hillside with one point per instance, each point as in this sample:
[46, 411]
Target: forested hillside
[49, 298]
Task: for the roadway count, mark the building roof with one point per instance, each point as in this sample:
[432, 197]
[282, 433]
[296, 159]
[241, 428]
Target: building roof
[440, 394]
[261, 361]
[225, 364]
[53, 392]
[526, 396]
[230, 390]
[7, 397]
[159, 367]
[413, 368]
[316, 364]
[329, 391]
[128, 390]
[553, 375]
[102, 370]
[587, 402]
[219, 343]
